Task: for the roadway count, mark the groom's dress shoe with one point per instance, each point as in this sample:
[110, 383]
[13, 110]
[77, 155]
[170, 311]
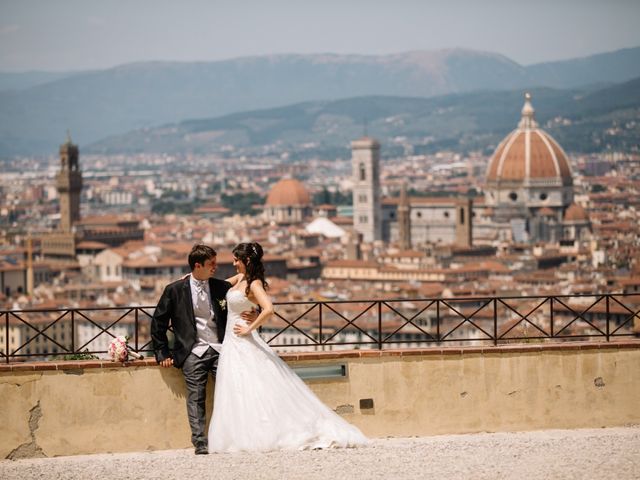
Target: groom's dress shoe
[202, 450]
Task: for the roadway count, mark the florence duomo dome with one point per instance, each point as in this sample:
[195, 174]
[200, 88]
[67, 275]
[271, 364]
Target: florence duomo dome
[529, 168]
[528, 178]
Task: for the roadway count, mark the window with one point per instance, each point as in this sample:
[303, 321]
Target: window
[513, 196]
[363, 173]
[461, 216]
[543, 196]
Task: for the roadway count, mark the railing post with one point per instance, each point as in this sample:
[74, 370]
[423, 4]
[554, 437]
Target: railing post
[6, 334]
[135, 332]
[551, 315]
[379, 325]
[320, 321]
[607, 304]
[495, 321]
[73, 332]
[438, 320]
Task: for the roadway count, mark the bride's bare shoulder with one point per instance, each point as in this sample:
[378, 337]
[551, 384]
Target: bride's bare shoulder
[234, 280]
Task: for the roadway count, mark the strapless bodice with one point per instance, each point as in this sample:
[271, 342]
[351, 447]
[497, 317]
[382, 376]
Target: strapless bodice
[237, 301]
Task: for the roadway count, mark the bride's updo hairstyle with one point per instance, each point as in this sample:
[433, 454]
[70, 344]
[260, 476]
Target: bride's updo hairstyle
[250, 254]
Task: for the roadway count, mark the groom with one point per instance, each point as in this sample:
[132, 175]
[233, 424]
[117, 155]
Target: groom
[195, 307]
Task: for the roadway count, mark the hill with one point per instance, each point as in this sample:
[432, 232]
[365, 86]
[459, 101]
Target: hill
[580, 121]
[93, 105]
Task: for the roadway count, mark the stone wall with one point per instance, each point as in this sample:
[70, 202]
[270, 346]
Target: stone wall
[70, 408]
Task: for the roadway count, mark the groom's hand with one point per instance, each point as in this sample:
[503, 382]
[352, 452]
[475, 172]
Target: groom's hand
[167, 362]
[249, 315]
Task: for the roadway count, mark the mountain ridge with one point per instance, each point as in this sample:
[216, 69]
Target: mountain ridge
[97, 104]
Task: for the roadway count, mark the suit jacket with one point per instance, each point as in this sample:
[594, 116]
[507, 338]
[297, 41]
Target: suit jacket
[176, 308]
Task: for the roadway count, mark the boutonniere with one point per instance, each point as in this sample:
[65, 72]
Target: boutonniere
[222, 303]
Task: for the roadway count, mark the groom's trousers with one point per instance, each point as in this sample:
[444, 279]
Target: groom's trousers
[196, 372]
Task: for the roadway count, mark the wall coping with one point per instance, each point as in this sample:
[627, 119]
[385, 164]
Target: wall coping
[333, 355]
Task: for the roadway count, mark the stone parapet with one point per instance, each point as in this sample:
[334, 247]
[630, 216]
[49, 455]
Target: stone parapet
[82, 407]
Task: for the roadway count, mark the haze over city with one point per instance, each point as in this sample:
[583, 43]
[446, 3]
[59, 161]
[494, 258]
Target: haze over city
[93, 34]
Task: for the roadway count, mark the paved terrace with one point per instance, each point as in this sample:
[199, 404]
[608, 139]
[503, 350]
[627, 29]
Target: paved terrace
[568, 454]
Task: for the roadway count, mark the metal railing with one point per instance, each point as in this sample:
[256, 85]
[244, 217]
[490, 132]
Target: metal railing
[328, 325]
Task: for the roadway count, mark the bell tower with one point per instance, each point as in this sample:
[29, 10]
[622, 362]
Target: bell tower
[69, 184]
[367, 212]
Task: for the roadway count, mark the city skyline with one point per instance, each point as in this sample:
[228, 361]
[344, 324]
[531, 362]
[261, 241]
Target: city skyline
[74, 35]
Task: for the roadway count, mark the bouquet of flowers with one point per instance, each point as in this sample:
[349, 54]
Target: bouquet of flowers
[119, 350]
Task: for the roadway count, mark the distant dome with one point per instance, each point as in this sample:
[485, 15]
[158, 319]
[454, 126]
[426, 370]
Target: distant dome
[575, 213]
[529, 155]
[528, 171]
[288, 192]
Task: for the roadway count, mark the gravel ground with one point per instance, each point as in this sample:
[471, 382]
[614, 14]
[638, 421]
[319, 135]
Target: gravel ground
[567, 454]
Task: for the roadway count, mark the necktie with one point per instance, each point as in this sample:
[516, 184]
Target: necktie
[201, 291]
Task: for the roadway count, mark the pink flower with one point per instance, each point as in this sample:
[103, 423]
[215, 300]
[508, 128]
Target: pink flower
[118, 349]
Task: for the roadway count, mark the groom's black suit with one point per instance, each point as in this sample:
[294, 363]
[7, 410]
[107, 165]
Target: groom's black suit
[175, 307]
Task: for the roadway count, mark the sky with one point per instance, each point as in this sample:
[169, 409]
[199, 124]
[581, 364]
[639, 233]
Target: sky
[63, 35]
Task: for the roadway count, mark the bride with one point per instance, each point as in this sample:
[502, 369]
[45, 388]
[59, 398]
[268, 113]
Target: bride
[260, 404]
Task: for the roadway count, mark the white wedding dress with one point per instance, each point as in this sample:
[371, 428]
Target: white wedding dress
[260, 404]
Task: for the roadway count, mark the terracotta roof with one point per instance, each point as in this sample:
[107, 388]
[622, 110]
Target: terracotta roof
[575, 213]
[405, 254]
[351, 264]
[153, 261]
[11, 267]
[104, 220]
[211, 209]
[288, 192]
[529, 153]
[546, 212]
[543, 158]
[89, 245]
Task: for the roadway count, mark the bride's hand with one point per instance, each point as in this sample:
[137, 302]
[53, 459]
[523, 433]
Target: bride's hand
[241, 330]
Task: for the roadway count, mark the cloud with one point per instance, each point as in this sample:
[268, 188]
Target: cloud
[8, 29]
